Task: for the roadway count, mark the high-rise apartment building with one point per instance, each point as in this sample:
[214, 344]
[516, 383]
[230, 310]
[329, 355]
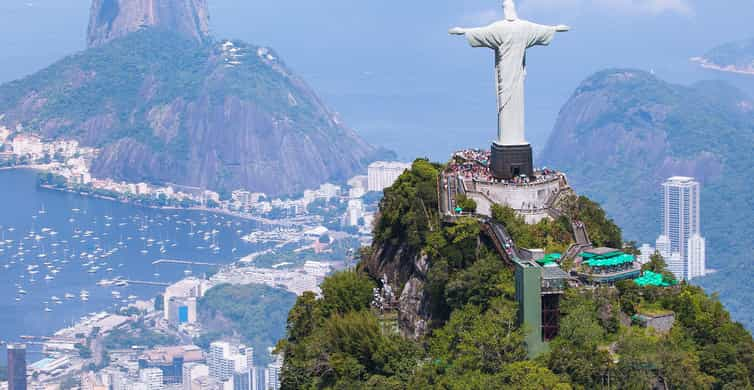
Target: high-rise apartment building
[697, 256]
[152, 377]
[234, 362]
[272, 373]
[681, 222]
[381, 174]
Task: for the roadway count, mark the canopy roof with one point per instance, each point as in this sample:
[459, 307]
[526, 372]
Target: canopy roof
[607, 260]
[551, 258]
[654, 279]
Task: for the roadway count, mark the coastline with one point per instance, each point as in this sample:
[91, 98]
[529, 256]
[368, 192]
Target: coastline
[706, 64]
[44, 168]
[166, 208]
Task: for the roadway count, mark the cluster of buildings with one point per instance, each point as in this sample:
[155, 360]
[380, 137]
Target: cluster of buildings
[70, 163]
[32, 148]
[297, 280]
[380, 175]
[681, 243]
[225, 366]
[258, 203]
[64, 157]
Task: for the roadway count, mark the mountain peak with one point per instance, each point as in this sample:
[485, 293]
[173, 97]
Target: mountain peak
[112, 19]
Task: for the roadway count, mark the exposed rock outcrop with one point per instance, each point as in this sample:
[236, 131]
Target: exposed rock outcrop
[406, 271]
[165, 104]
[113, 19]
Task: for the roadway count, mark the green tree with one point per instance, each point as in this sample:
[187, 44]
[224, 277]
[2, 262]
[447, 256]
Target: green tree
[630, 296]
[346, 291]
[528, 375]
[471, 333]
[83, 350]
[467, 204]
[602, 230]
[576, 351]
[408, 208]
[479, 284]
[303, 317]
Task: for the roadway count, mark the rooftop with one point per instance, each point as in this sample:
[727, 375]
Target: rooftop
[41, 364]
[553, 272]
[550, 259]
[389, 164]
[165, 355]
[681, 179]
[650, 278]
[601, 251]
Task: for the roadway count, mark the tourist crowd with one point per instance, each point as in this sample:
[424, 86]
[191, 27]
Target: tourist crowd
[474, 164]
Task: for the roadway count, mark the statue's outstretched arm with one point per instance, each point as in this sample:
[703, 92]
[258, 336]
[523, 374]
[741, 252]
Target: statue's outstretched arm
[457, 31]
[562, 28]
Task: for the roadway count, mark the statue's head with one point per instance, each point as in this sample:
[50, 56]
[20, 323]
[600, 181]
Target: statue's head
[510, 10]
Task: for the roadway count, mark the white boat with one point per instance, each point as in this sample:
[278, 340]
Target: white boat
[47, 309]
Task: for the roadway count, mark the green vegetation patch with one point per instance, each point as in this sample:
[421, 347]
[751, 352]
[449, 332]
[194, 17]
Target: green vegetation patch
[138, 334]
[339, 342]
[255, 313]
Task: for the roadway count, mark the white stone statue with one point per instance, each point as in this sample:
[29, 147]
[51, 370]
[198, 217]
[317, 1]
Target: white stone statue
[510, 38]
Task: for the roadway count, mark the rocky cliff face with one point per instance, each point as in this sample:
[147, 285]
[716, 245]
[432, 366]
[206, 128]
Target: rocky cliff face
[113, 19]
[406, 271]
[164, 109]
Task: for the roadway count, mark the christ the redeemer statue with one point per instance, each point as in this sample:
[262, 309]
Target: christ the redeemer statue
[510, 38]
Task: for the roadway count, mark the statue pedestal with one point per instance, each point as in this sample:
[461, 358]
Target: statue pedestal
[509, 161]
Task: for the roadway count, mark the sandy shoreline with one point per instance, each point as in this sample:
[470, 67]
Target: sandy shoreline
[44, 168]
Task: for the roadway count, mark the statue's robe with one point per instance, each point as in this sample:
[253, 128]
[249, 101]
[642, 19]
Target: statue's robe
[510, 39]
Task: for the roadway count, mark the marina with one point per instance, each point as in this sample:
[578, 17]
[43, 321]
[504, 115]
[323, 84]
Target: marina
[63, 256]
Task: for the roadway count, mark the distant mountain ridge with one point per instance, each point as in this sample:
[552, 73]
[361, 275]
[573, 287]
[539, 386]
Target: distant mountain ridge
[735, 57]
[167, 104]
[625, 131]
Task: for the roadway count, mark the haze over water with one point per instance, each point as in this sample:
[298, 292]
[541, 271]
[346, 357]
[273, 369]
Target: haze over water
[60, 222]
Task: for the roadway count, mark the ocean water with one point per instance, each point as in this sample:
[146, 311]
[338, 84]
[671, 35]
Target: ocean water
[56, 243]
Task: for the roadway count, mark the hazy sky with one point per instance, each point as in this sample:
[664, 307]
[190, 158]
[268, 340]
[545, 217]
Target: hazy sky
[392, 71]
